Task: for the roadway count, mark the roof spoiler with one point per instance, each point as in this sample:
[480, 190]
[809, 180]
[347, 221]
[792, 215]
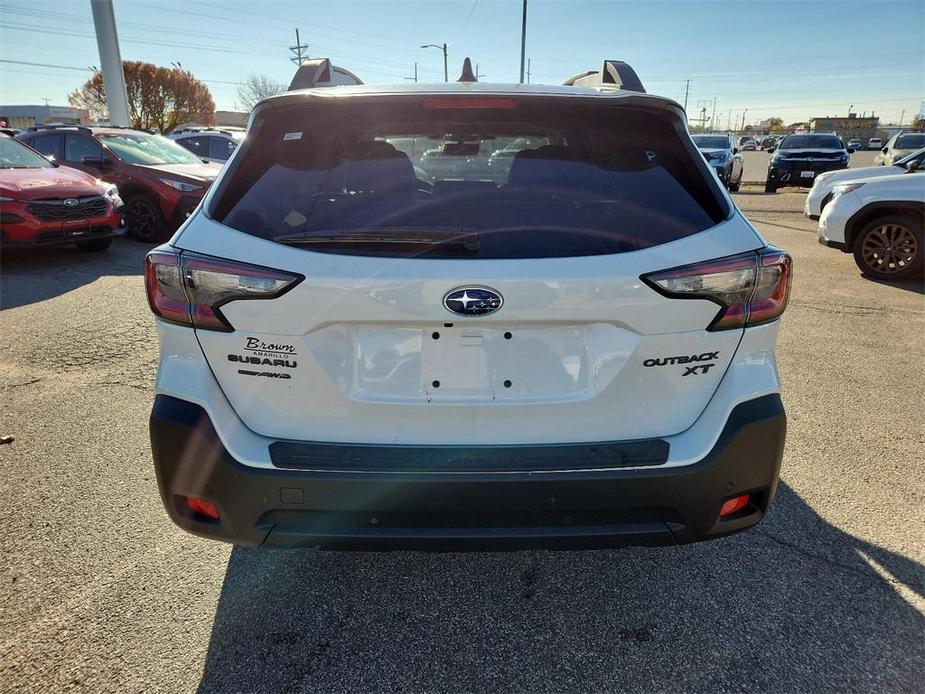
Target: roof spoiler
[614, 74]
[320, 72]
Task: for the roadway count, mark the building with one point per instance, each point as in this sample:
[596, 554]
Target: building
[236, 119]
[27, 116]
[847, 127]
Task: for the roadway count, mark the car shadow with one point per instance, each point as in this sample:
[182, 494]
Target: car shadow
[31, 275]
[916, 286]
[792, 605]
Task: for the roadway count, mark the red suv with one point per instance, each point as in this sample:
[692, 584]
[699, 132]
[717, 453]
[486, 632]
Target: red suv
[43, 204]
[161, 182]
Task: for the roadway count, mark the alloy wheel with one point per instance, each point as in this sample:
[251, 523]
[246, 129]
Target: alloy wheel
[889, 248]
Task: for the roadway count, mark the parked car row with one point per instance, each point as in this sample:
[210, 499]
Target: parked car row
[160, 182]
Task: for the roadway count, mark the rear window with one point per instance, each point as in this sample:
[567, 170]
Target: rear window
[422, 176]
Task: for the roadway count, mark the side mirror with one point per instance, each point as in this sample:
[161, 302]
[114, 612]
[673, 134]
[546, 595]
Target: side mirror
[851, 150]
[735, 150]
[97, 162]
[913, 165]
[770, 150]
[884, 150]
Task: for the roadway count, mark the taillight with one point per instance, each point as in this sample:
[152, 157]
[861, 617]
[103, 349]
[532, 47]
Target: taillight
[752, 288]
[188, 288]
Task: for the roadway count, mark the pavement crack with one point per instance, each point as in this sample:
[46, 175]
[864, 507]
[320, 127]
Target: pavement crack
[862, 573]
[24, 383]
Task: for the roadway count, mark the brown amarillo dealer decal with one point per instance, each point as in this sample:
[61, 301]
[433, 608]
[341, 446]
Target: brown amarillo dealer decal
[266, 354]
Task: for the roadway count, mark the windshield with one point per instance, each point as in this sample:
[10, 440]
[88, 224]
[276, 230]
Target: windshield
[812, 142]
[711, 141]
[913, 141]
[15, 155]
[582, 180]
[139, 148]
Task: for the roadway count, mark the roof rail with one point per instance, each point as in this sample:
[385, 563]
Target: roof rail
[320, 72]
[614, 74]
[55, 126]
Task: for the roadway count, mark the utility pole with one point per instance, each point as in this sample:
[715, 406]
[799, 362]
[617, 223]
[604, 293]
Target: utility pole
[523, 42]
[743, 119]
[107, 40]
[687, 89]
[478, 73]
[297, 49]
[415, 78]
[442, 47]
[528, 70]
[901, 116]
[713, 117]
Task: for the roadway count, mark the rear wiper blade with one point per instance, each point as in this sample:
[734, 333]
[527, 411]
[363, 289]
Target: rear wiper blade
[438, 236]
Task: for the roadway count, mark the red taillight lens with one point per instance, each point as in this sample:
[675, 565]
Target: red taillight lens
[463, 102]
[734, 505]
[188, 288]
[202, 507]
[751, 288]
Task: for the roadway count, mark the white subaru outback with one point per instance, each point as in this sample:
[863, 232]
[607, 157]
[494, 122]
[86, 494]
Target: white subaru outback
[578, 353]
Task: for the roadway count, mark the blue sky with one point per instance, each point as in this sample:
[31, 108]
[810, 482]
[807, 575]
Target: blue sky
[793, 60]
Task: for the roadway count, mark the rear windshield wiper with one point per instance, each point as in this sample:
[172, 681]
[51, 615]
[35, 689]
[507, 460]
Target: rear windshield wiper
[437, 236]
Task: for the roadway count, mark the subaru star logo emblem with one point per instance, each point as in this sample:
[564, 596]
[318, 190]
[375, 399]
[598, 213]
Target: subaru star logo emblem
[71, 202]
[472, 301]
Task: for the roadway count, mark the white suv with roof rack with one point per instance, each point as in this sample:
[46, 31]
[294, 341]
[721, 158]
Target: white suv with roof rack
[210, 144]
[580, 354]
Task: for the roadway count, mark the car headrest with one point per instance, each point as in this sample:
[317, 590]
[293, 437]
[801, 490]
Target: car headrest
[551, 166]
[373, 166]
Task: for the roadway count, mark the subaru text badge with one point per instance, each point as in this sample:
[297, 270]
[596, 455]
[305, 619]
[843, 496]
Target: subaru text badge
[472, 301]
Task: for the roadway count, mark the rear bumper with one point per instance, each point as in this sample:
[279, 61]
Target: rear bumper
[467, 510]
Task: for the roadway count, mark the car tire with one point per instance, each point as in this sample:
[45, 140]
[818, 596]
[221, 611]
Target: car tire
[144, 219]
[94, 246]
[734, 187]
[770, 187]
[890, 248]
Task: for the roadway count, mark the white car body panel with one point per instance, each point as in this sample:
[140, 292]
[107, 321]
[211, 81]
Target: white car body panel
[184, 373]
[835, 216]
[826, 181]
[359, 334]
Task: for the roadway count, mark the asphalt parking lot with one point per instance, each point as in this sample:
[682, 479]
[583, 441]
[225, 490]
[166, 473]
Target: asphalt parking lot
[100, 592]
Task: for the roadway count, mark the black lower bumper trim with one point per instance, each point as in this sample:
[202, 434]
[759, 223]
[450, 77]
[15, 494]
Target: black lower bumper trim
[834, 244]
[61, 239]
[476, 509]
[391, 458]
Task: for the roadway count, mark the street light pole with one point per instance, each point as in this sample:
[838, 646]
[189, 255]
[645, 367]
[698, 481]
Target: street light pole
[442, 47]
[523, 42]
[107, 40]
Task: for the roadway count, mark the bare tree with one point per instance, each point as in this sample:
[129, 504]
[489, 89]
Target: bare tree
[256, 88]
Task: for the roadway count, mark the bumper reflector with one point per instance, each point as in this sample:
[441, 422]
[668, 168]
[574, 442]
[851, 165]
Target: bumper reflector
[202, 507]
[734, 505]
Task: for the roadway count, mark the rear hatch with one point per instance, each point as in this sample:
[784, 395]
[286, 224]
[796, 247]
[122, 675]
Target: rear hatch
[460, 309]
